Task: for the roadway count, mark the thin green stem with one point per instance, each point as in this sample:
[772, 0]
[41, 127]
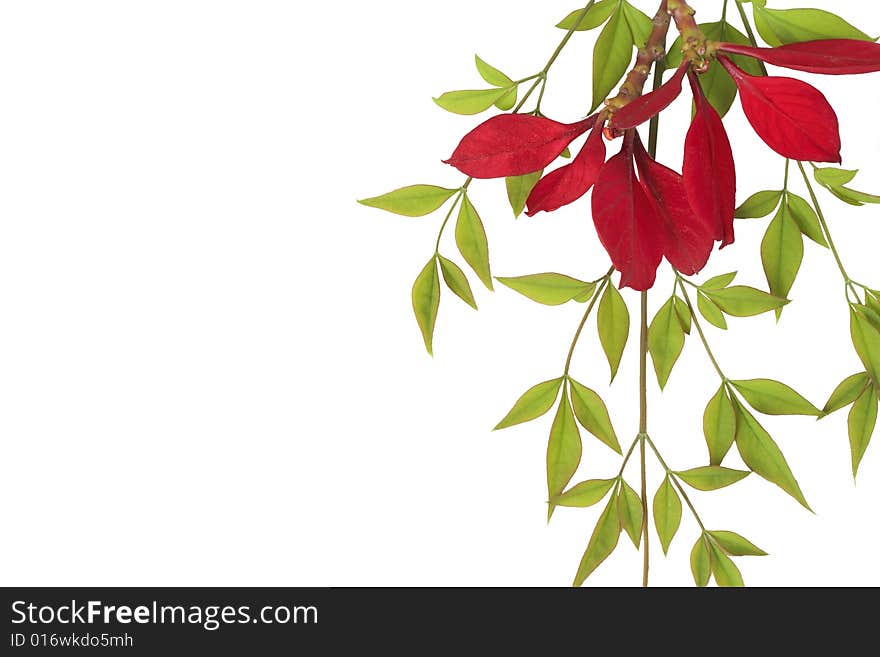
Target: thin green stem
[749, 31]
[676, 483]
[531, 90]
[567, 37]
[850, 288]
[629, 453]
[785, 181]
[724, 12]
[699, 327]
[539, 78]
[459, 196]
[531, 77]
[643, 364]
[446, 221]
[653, 129]
[643, 428]
[577, 335]
[646, 558]
[654, 125]
[541, 96]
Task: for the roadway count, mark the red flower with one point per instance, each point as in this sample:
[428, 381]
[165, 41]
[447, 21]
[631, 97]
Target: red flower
[650, 104]
[828, 56]
[687, 238]
[626, 220]
[708, 170]
[514, 144]
[793, 118]
[567, 184]
[641, 220]
[642, 210]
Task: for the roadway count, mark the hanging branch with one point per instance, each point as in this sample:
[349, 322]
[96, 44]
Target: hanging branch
[645, 212]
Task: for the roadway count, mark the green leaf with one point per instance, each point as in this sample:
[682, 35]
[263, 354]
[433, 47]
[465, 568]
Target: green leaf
[782, 26]
[602, 542]
[718, 87]
[862, 421]
[640, 25]
[872, 301]
[629, 508]
[548, 288]
[866, 340]
[519, 188]
[426, 301]
[782, 252]
[611, 56]
[774, 398]
[872, 317]
[759, 205]
[834, 177]
[744, 301]
[719, 282]
[806, 219]
[591, 412]
[701, 562]
[587, 493]
[847, 392]
[533, 403]
[665, 341]
[613, 325]
[470, 237]
[667, 513]
[854, 197]
[711, 477]
[761, 454]
[719, 426]
[596, 15]
[831, 179]
[736, 545]
[412, 201]
[471, 101]
[457, 281]
[725, 571]
[711, 312]
[563, 449]
[492, 75]
[683, 312]
[508, 100]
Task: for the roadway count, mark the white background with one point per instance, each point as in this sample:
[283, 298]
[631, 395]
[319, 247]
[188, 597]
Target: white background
[209, 371]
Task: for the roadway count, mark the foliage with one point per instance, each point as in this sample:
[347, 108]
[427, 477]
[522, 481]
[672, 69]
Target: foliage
[645, 212]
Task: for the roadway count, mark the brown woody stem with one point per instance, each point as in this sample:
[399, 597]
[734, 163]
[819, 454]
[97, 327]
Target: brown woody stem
[694, 46]
[653, 51]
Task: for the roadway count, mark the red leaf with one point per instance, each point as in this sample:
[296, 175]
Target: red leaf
[687, 239]
[708, 172]
[513, 145]
[644, 107]
[828, 56]
[793, 118]
[567, 184]
[626, 222]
